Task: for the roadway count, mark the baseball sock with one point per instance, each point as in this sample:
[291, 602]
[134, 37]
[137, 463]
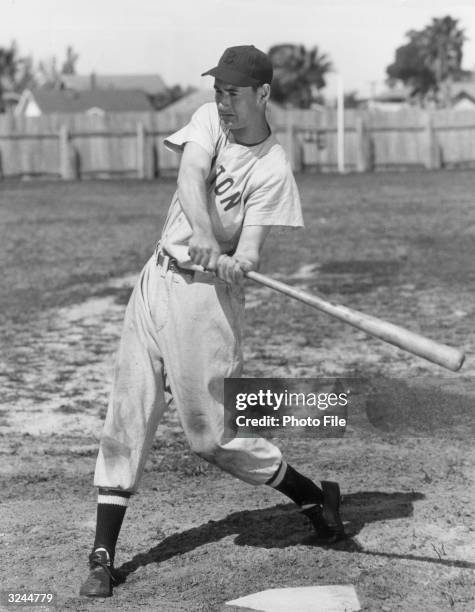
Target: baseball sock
[111, 507]
[299, 488]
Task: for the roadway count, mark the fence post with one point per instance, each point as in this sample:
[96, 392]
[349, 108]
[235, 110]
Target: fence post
[433, 157]
[292, 150]
[64, 160]
[141, 151]
[363, 146]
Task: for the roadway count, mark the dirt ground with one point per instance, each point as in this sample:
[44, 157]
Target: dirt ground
[194, 537]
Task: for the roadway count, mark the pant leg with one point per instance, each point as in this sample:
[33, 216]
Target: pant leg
[137, 400]
[201, 345]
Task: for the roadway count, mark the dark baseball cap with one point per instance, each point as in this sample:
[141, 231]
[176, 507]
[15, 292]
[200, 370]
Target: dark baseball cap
[243, 66]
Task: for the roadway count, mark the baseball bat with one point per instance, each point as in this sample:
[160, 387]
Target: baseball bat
[446, 356]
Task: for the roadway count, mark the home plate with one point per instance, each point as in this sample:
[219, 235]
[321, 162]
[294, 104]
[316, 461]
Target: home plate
[329, 598]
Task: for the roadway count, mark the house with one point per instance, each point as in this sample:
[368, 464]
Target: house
[463, 95]
[8, 101]
[186, 106]
[36, 102]
[460, 93]
[151, 84]
[392, 99]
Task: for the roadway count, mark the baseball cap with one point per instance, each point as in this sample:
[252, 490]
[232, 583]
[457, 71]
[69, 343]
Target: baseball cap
[243, 66]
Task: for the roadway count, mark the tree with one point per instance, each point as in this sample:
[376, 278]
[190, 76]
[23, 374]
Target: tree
[8, 64]
[431, 59]
[16, 72]
[170, 95]
[69, 64]
[48, 73]
[351, 99]
[299, 74]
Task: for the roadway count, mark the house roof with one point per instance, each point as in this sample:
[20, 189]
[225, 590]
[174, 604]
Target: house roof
[459, 89]
[463, 95]
[394, 94]
[11, 96]
[108, 100]
[151, 84]
[192, 101]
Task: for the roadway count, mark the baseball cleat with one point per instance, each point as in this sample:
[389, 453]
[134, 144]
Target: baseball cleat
[102, 576]
[326, 519]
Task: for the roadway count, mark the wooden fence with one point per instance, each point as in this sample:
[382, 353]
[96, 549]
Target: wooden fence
[131, 144]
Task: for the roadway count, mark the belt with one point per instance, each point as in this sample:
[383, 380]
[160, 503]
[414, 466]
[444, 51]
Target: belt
[170, 263]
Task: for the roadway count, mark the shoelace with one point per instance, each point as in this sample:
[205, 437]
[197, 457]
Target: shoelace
[95, 560]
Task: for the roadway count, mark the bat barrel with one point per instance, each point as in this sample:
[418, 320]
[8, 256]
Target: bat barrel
[446, 356]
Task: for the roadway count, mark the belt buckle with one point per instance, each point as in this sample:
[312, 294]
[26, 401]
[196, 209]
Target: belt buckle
[170, 263]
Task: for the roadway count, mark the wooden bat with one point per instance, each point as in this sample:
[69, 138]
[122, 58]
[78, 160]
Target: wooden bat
[446, 356]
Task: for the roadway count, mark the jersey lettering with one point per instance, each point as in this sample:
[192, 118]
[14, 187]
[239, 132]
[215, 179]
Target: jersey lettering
[223, 186]
[219, 170]
[233, 200]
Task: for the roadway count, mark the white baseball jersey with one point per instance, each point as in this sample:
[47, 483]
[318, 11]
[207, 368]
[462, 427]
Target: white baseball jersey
[247, 185]
[192, 329]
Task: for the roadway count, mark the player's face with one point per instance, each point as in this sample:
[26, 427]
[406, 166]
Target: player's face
[238, 107]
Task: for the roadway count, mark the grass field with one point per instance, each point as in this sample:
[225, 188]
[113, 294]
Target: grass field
[398, 246]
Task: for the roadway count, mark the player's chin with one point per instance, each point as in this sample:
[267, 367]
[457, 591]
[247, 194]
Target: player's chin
[228, 121]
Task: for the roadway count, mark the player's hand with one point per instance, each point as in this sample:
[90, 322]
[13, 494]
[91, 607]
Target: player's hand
[232, 269]
[204, 250]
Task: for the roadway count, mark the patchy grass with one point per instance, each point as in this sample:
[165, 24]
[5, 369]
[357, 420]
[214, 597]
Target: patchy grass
[399, 246]
[60, 241]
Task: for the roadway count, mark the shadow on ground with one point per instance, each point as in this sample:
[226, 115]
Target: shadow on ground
[281, 526]
[418, 407]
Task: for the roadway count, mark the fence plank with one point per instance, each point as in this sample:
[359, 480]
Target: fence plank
[108, 146]
[64, 157]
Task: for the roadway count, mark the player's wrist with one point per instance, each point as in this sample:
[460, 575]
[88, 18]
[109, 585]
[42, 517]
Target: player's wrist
[246, 263]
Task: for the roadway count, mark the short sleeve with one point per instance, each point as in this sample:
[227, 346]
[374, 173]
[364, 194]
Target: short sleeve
[275, 202]
[201, 129]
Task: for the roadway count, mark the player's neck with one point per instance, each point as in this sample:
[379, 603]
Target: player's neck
[252, 134]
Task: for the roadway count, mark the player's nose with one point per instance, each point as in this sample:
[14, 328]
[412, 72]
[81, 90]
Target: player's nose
[223, 106]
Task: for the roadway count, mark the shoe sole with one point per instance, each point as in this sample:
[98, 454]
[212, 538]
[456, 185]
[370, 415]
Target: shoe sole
[94, 595]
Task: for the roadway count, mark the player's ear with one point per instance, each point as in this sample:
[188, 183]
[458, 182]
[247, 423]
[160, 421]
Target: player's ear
[263, 93]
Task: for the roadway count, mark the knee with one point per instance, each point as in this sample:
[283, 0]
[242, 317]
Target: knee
[206, 447]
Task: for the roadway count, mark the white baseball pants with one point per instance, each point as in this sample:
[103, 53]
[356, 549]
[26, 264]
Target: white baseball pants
[186, 331]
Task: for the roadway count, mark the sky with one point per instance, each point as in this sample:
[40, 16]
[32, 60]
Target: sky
[180, 39]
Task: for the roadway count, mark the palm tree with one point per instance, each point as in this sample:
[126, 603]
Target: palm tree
[440, 46]
[443, 47]
[446, 53]
[299, 74]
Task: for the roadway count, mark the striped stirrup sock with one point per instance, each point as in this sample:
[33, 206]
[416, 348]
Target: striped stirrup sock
[111, 507]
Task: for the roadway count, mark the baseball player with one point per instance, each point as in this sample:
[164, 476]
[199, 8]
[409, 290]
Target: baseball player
[182, 328]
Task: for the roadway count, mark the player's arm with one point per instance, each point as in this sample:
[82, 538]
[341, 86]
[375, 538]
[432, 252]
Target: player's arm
[194, 169]
[247, 254]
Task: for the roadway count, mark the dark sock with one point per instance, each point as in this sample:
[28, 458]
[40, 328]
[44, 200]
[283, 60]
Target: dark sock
[299, 488]
[111, 507]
